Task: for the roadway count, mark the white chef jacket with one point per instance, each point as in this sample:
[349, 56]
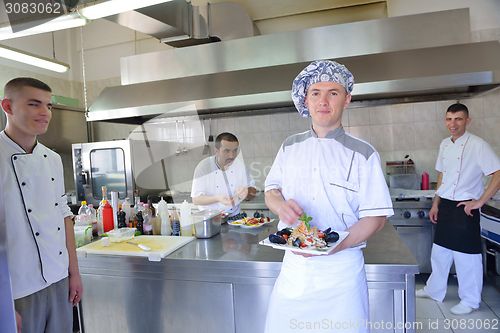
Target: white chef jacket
[463, 164]
[337, 180]
[35, 208]
[209, 180]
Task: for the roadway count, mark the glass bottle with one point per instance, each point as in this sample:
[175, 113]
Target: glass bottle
[147, 227]
[150, 203]
[176, 224]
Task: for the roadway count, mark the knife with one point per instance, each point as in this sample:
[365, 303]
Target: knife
[141, 246]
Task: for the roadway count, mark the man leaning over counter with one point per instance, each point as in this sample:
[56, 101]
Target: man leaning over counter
[220, 180]
[336, 179]
[44, 272]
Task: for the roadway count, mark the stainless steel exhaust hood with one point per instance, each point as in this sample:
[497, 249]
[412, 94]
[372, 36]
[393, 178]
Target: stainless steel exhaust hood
[401, 59]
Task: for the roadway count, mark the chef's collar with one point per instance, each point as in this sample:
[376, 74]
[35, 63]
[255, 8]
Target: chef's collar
[461, 138]
[218, 166]
[333, 134]
[15, 145]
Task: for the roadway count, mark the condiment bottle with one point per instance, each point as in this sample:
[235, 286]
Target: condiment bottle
[162, 207]
[150, 203]
[121, 219]
[425, 181]
[83, 218]
[127, 209]
[166, 228]
[107, 217]
[186, 223]
[176, 224]
[140, 221]
[147, 227]
[100, 228]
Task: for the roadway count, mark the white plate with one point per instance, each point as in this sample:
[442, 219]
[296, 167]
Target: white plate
[248, 226]
[329, 248]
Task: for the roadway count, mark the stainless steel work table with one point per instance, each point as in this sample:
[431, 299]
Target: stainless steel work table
[223, 284]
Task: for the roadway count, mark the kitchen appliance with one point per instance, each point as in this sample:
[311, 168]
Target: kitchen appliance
[411, 220]
[490, 233]
[123, 166]
[394, 60]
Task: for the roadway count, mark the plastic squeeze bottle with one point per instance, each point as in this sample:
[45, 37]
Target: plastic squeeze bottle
[126, 208]
[186, 223]
[107, 217]
[425, 181]
[166, 229]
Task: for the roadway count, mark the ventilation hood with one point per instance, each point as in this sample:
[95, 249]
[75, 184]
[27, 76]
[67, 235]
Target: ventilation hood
[421, 57]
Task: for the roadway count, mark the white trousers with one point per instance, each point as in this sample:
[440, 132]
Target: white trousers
[469, 269]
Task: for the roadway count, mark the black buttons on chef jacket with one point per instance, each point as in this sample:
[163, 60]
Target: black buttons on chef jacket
[60, 252]
[37, 233]
[52, 179]
[29, 210]
[15, 158]
[45, 156]
[58, 228]
[57, 204]
[23, 183]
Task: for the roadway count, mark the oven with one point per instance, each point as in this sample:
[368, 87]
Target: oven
[411, 220]
[125, 166]
[490, 233]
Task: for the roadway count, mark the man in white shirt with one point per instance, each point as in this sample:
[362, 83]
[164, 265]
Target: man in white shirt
[44, 272]
[220, 180]
[336, 179]
[463, 160]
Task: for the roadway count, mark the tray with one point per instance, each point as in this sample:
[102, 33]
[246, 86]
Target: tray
[329, 248]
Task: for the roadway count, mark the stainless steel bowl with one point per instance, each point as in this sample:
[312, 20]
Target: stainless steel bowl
[207, 223]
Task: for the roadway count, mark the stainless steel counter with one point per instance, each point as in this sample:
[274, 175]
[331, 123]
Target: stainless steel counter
[223, 284]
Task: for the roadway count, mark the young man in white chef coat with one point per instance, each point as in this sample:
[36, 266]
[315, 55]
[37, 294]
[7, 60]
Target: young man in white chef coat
[46, 283]
[219, 179]
[336, 179]
[462, 161]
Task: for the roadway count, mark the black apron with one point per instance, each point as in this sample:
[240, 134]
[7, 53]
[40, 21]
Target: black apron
[456, 230]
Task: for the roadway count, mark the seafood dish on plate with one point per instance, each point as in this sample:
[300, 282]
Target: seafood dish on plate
[251, 222]
[305, 239]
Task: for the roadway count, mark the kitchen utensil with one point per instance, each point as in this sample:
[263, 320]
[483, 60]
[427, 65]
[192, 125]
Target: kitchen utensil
[141, 246]
[210, 137]
[206, 148]
[179, 150]
[207, 223]
[184, 150]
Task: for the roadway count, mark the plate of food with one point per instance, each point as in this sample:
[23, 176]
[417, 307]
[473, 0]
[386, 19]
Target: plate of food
[305, 239]
[251, 222]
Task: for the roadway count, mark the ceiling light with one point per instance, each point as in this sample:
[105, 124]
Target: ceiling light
[113, 7]
[32, 59]
[71, 20]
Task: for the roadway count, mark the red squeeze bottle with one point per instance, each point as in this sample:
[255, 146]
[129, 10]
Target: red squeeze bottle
[425, 181]
[107, 217]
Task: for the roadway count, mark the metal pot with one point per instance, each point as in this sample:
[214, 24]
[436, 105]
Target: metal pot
[207, 223]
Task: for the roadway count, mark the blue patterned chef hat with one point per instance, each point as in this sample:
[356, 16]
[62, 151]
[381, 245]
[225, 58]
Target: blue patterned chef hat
[319, 71]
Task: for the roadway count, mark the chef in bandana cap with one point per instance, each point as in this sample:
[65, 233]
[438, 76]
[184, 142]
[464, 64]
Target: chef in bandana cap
[336, 179]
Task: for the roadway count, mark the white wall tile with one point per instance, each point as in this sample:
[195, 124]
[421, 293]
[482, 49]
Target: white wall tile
[359, 116]
[280, 122]
[424, 111]
[402, 113]
[380, 115]
[403, 136]
[426, 135]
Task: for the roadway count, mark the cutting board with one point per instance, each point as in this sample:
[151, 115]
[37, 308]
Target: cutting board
[161, 246]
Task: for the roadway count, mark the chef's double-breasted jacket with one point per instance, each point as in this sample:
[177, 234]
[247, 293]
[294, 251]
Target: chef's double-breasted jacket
[35, 208]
